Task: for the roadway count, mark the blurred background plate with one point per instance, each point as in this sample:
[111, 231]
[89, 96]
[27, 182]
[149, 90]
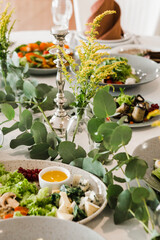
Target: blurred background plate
[149, 150]
[134, 49]
[44, 228]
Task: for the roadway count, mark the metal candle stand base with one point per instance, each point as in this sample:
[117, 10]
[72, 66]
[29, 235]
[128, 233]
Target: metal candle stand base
[60, 118]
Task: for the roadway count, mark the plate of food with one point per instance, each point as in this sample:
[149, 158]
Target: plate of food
[150, 152]
[40, 61]
[45, 228]
[140, 50]
[81, 199]
[133, 71]
[134, 110]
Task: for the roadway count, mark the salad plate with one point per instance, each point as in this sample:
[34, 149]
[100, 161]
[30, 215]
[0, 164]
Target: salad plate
[149, 150]
[141, 124]
[38, 57]
[95, 183]
[45, 228]
[146, 69]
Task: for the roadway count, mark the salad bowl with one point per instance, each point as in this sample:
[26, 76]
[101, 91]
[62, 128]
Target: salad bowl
[96, 184]
[45, 228]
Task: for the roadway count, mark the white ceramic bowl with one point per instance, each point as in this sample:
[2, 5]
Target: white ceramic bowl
[53, 185]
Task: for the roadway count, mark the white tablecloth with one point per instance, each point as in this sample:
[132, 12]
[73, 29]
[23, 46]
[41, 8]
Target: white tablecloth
[103, 224]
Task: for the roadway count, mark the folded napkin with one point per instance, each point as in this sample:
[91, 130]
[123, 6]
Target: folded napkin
[110, 25]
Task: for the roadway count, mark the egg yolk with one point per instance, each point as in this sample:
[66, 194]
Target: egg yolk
[54, 176]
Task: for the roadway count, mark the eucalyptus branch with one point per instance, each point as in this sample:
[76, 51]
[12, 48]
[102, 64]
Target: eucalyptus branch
[144, 225]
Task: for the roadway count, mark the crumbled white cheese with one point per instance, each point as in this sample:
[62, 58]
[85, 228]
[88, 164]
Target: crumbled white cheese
[133, 71]
[84, 184]
[82, 202]
[76, 179]
[130, 81]
[93, 197]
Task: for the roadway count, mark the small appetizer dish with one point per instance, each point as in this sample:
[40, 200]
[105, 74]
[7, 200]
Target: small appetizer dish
[53, 177]
[133, 109]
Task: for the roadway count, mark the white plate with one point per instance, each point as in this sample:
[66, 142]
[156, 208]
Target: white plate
[149, 150]
[1, 137]
[96, 184]
[44, 228]
[141, 124]
[146, 69]
[42, 71]
[126, 39]
[140, 48]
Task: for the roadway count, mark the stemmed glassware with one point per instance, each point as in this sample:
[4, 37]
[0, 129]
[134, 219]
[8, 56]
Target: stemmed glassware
[61, 12]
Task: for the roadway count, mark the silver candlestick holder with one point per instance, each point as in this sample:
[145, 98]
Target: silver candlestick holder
[60, 118]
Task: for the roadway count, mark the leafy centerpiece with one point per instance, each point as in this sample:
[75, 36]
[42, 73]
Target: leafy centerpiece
[111, 138]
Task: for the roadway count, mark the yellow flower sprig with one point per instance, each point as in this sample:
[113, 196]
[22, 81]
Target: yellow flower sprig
[91, 71]
[5, 31]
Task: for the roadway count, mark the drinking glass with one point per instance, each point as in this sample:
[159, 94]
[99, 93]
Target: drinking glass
[61, 12]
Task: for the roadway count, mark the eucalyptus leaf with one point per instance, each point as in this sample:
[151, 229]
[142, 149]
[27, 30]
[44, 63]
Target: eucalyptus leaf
[119, 179]
[69, 97]
[47, 104]
[136, 168]
[8, 111]
[77, 162]
[94, 167]
[113, 192]
[121, 157]
[52, 140]
[140, 194]
[42, 89]
[69, 152]
[53, 153]
[108, 178]
[120, 137]
[40, 151]
[141, 214]
[39, 132]
[123, 205]
[103, 104]
[2, 96]
[107, 129]
[93, 125]
[29, 90]
[6, 130]
[23, 139]
[25, 120]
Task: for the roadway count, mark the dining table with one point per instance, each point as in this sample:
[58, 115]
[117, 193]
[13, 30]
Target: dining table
[104, 222]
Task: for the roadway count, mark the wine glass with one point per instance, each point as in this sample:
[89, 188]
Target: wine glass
[61, 12]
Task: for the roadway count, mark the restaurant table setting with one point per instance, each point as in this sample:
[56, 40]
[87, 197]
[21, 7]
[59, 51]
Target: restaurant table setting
[144, 142]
